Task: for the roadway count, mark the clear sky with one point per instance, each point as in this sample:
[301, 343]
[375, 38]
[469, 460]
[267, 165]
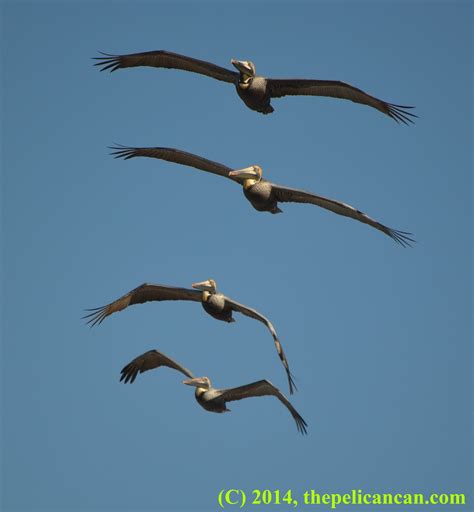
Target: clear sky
[379, 337]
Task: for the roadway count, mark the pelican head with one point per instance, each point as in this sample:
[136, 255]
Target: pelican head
[199, 382]
[246, 67]
[253, 173]
[206, 286]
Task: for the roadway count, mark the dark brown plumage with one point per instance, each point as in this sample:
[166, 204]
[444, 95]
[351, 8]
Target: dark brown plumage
[149, 361]
[340, 90]
[144, 293]
[164, 59]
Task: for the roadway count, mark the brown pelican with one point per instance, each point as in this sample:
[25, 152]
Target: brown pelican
[263, 195]
[215, 303]
[255, 91]
[211, 399]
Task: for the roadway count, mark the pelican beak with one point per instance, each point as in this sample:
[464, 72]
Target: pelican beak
[242, 66]
[197, 382]
[203, 285]
[245, 174]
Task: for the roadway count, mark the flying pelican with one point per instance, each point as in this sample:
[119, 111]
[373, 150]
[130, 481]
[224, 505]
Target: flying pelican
[215, 303]
[255, 91]
[263, 195]
[211, 399]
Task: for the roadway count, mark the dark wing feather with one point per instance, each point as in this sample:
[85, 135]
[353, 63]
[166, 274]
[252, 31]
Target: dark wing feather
[252, 313]
[143, 293]
[164, 59]
[286, 194]
[336, 89]
[263, 388]
[176, 156]
[148, 361]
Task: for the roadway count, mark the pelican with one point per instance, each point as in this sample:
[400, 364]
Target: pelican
[215, 303]
[255, 91]
[208, 397]
[263, 195]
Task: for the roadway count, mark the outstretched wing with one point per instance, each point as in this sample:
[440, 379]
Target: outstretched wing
[143, 293]
[149, 361]
[263, 388]
[176, 156]
[335, 89]
[164, 59]
[286, 194]
[252, 313]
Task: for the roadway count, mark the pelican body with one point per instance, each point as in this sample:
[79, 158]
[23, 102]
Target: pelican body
[209, 398]
[261, 196]
[256, 96]
[206, 396]
[254, 90]
[215, 305]
[257, 190]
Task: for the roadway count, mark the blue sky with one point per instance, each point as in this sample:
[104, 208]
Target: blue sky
[379, 337]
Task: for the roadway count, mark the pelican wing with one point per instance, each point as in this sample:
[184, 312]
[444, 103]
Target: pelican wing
[149, 361]
[336, 89]
[143, 293]
[252, 313]
[286, 194]
[164, 59]
[176, 156]
[263, 388]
